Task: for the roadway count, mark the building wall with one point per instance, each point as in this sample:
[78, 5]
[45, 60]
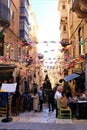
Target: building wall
[77, 32]
[12, 33]
[77, 50]
[63, 8]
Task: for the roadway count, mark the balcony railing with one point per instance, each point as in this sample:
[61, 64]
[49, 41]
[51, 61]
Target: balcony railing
[4, 15]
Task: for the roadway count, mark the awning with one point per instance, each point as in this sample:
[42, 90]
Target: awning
[4, 68]
[71, 77]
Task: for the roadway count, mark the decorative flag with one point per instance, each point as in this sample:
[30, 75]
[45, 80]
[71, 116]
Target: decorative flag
[45, 41]
[52, 41]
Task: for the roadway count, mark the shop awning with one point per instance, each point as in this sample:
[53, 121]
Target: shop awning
[71, 77]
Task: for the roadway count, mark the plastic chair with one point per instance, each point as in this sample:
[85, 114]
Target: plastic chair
[64, 113]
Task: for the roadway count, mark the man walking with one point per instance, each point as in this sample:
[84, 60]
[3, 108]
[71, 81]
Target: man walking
[40, 92]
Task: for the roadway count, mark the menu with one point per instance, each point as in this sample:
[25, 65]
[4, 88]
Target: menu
[10, 87]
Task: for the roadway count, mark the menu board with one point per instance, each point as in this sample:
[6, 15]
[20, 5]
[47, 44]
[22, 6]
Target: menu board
[10, 87]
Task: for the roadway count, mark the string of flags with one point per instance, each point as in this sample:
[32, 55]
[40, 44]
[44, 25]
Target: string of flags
[30, 42]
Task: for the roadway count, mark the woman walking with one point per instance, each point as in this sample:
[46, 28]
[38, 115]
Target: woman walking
[35, 97]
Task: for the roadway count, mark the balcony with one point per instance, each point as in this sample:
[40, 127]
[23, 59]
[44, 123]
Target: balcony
[24, 14]
[80, 7]
[63, 20]
[4, 15]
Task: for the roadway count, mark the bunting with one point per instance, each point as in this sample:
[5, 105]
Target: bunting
[30, 42]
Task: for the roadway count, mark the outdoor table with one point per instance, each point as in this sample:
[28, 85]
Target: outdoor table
[81, 109]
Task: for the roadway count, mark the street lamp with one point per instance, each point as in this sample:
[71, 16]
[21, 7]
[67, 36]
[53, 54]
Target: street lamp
[85, 71]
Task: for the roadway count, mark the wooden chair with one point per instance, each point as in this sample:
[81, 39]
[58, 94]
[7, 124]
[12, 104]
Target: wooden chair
[64, 113]
[3, 110]
[16, 108]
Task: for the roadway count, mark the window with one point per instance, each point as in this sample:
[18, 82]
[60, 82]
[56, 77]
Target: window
[80, 41]
[12, 15]
[9, 3]
[22, 3]
[73, 1]
[19, 52]
[6, 2]
[64, 27]
[63, 6]
[21, 26]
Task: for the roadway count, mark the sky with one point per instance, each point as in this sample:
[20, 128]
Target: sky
[47, 17]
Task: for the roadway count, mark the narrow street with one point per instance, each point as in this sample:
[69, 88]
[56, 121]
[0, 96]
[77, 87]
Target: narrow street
[43, 59]
[42, 121]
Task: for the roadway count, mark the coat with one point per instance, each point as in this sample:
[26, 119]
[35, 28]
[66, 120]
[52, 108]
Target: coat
[36, 102]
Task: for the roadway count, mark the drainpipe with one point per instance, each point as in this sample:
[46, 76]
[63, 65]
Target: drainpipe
[85, 71]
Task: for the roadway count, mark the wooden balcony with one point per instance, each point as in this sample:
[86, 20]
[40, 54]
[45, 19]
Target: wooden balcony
[80, 7]
[4, 15]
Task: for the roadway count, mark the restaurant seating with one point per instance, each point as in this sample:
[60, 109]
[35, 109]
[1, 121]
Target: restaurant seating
[64, 113]
[3, 110]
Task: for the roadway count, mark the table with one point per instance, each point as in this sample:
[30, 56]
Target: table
[81, 109]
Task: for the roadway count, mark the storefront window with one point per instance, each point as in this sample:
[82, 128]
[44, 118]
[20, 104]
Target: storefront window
[6, 2]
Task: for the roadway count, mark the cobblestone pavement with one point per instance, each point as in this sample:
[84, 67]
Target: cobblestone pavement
[42, 121]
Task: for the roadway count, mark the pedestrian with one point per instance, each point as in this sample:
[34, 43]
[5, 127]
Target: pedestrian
[35, 97]
[26, 99]
[40, 92]
[51, 104]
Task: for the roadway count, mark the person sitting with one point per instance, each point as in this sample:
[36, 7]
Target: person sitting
[82, 96]
[58, 95]
[72, 104]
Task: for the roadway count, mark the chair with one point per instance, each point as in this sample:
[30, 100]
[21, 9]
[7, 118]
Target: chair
[3, 110]
[16, 107]
[64, 113]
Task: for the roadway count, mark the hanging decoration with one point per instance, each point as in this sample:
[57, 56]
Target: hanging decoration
[30, 42]
[40, 56]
